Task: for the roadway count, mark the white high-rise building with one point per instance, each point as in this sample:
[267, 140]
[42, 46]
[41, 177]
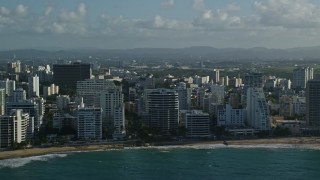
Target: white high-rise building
[111, 101]
[14, 67]
[89, 123]
[216, 75]
[301, 76]
[90, 90]
[231, 117]
[9, 86]
[30, 107]
[2, 101]
[258, 115]
[226, 81]
[13, 128]
[50, 90]
[33, 86]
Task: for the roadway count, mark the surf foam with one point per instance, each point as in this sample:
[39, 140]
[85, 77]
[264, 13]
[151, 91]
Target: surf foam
[19, 162]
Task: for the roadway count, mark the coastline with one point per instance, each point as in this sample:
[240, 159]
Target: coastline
[301, 141]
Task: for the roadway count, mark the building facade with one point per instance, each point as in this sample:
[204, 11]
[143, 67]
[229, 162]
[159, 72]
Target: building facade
[196, 123]
[89, 123]
[162, 107]
[67, 75]
[258, 115]
[313, 103]
[301, 76]
[90, 90]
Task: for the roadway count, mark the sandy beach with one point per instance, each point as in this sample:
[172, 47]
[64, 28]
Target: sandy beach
[50, 150]
[302, 141]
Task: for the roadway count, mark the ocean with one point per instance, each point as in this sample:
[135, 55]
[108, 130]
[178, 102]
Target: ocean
[171, 162]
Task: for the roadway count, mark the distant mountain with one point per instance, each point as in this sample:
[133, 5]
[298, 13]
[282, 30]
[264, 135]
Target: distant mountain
[205, 52]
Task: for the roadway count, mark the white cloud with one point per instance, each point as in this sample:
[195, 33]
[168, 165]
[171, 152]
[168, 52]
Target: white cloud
[58, 28]
[268, 19]
[159, 22]
[198, 4]
[21, 10]
[82, 9]
[168, 3]
[288, 13]
[48, 11]
[4, 10]
[218, 20]
[73, 22]
[232, 7]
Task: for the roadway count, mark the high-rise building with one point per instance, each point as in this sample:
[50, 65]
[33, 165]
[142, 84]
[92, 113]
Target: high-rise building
[218, 91]
[13, 128]
[67, 75]
[162, 106]
[196, 123]
[19, 95]
[30, 107]
[216, 75]
[111, 101]
[301, 76]
[6, 128]
[89, 123]
[201, 93]
[8, 85]
[50, 90]
[258, 115]
[229, 116]
[184, 95]
[2, 101]
[90, 90]
[253, 80]
[14, 67]
[34, 86]
[226, 81]
[119, 122]
[62, 101]
[45, 75]
[313, 103]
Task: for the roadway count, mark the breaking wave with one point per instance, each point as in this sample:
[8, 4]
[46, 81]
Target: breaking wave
[19, 162]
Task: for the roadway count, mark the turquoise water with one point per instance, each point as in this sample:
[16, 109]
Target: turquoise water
[170, 163]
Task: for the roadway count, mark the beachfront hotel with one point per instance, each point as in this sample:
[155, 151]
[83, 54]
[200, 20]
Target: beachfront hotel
[89, 123]
[313, 103]
[162, 107]
[13, 128]
[258, 116]
[196, 123]
[111, 101]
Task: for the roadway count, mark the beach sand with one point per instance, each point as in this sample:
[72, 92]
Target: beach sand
[301, 141]
[50, 150]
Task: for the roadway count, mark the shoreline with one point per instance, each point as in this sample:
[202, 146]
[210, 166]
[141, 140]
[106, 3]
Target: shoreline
[303, 141]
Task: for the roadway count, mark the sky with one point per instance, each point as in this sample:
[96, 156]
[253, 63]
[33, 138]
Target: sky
[122, 24]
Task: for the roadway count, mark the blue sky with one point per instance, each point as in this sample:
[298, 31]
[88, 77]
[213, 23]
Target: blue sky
[112, 24]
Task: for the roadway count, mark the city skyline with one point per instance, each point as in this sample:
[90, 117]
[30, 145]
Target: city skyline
[161, 23]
